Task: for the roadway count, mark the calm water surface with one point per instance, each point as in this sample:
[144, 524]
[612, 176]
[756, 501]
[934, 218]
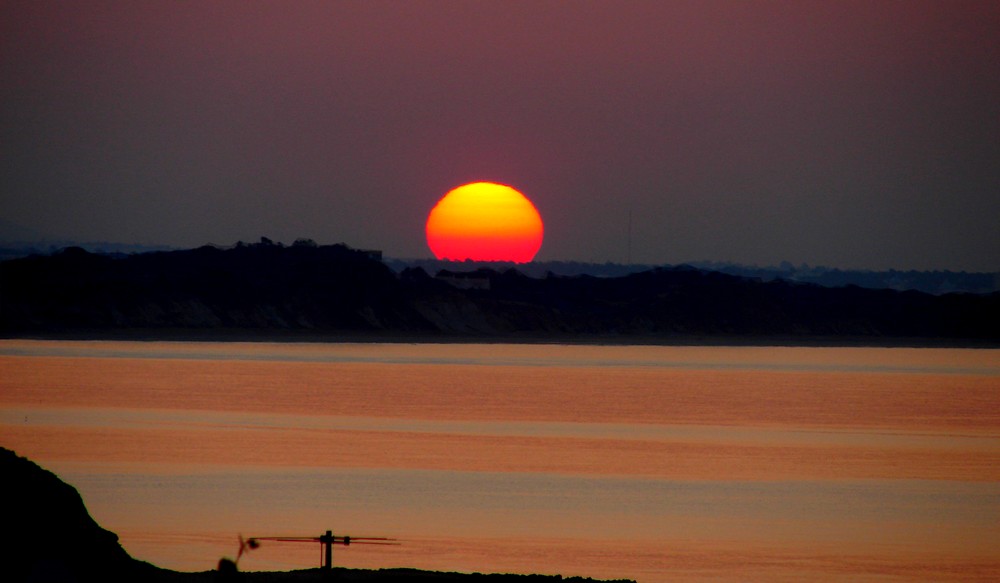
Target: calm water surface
[653, 463]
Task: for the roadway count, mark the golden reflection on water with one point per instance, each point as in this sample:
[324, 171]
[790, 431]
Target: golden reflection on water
[659, 463]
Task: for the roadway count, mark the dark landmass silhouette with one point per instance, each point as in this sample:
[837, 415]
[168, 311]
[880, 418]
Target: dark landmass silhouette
[49, 537]
[305, 291]
[932, 282]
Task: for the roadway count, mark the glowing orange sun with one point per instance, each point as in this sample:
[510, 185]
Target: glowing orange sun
[484, 221]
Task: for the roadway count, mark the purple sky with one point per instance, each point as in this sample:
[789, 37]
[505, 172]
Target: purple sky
[848, 134]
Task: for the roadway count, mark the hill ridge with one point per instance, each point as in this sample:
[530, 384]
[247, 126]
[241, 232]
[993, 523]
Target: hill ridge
[307, 289]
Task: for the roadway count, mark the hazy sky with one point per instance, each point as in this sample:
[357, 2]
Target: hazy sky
[851, 134]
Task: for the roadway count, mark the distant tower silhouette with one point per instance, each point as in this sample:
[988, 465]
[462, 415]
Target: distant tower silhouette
[628, 260]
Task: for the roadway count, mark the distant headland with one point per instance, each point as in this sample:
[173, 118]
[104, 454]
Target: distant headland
[306, 291]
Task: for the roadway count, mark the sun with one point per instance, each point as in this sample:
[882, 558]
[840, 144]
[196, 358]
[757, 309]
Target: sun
[484, 221]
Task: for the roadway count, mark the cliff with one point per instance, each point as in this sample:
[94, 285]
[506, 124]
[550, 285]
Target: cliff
[49, 536]
[326, 291]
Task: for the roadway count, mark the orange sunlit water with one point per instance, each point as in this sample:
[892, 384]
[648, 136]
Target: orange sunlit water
[660, 464]
[484, 221]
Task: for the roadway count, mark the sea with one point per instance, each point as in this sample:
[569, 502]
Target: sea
[652, 463]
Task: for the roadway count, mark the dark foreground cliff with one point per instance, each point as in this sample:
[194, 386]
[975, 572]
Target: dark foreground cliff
[326, 292]
[49, 537]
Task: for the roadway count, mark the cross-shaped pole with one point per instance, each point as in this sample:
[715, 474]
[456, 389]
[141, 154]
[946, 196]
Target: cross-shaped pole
[328, 540]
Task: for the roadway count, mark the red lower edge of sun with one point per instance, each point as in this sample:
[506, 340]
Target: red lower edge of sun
[485, 221]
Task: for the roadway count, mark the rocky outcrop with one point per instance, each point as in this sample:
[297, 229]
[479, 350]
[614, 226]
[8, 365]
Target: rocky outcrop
[48, 536]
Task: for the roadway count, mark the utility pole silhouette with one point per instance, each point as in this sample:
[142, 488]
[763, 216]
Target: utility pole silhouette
[327, 540]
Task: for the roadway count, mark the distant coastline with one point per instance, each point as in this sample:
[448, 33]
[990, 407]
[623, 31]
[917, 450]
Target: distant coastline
[272, 336]
[311, 293]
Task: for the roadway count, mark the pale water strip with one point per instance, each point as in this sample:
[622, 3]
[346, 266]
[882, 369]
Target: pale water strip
[790, 358]
[195, 420]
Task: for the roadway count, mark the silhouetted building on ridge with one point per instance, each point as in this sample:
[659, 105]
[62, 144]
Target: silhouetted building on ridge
[466, 280]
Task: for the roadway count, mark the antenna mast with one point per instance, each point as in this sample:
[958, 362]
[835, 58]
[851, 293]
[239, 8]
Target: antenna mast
[629, 256]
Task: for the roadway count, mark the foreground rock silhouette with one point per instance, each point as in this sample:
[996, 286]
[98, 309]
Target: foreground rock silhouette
[48, 534]
[49, 537]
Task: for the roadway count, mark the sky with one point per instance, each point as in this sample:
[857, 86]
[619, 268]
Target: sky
[852, 134]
